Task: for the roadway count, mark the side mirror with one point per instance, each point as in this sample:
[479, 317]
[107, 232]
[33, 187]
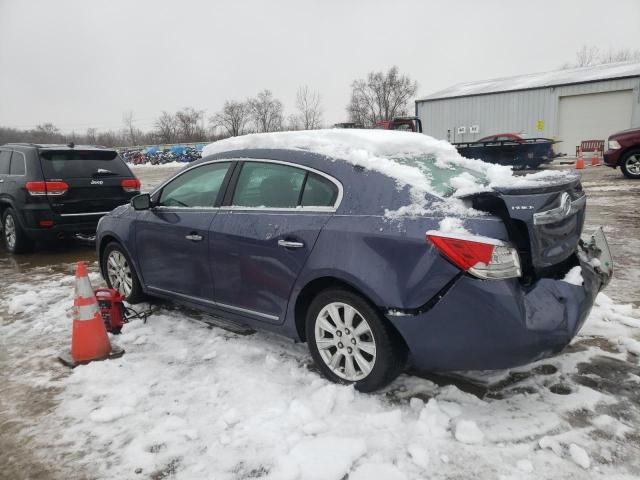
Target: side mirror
[141, 202]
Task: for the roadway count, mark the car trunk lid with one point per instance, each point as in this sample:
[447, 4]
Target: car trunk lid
[544, 220]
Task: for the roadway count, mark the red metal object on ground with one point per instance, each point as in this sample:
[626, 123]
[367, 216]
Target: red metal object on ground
[111, 308]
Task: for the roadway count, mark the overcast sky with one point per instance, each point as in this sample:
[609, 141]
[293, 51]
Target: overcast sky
[81, 63]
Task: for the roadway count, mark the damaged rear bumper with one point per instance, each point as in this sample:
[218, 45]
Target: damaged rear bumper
[484, 325]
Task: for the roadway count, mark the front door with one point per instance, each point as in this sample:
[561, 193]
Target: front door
[172, 237]
[260, 243]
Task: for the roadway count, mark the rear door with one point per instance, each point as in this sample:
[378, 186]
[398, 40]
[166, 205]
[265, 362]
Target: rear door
[94, 179]
[172, 237]
[262, 239]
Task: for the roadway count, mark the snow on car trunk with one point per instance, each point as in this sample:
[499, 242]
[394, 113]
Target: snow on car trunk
[196, 402]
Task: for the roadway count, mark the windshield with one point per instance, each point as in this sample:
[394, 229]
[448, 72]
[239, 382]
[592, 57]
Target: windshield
[81, 163]
[445, 177]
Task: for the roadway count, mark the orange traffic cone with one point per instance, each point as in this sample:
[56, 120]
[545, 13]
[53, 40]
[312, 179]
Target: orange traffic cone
[89, 338]
[580, 162]
[595, 159]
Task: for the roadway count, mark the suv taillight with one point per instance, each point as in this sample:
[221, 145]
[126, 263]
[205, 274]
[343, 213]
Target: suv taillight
[130, 185]
[40, 189]
[482, 257]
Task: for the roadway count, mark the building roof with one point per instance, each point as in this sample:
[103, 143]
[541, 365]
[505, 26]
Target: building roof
[569, 76]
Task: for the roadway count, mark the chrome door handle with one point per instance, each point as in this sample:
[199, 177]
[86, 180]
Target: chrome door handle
[290, 244]
[194, 237]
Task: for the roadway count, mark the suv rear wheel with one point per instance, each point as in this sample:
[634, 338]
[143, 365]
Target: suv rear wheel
[630, 164]
[119, 274]
[15, 238]
[351, 342]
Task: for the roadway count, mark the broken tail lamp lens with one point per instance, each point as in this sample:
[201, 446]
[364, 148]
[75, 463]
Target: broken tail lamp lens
[482, 257]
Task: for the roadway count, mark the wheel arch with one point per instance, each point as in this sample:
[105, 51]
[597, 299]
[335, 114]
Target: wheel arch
[110, 237]
[313, 287]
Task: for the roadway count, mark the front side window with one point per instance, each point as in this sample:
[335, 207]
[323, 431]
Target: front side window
[269, 185]
[17, 164]
[198, 187]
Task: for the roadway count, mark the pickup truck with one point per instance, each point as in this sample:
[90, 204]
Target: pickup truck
[623, 150]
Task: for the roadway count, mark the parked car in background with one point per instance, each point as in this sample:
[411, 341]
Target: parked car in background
[499, 137]
[48, 192]
[362, 244]
[623, 150]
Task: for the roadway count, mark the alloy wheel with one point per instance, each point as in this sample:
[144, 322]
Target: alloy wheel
[345, 341]
[119, 273]
[10, 232]
[633, 164]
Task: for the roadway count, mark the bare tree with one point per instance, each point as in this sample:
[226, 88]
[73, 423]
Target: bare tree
[47, 133]
[382, 96]
[166, 128]
[309, 109]
[622, 55]
[189, 123]
[233, 118]
[130, 128]
[91, 136]
[266, 112]
[588, 56]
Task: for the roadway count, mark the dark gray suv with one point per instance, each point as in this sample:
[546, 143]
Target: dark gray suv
[48, 192]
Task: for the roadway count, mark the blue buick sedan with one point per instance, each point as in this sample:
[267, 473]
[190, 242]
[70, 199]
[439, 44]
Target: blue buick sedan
[379, 249]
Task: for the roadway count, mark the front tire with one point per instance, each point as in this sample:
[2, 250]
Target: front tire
[15, 237]
[120, 274]
[351, 342]
[630, 164]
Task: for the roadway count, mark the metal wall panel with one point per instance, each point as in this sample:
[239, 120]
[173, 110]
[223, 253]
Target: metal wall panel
[513, 111]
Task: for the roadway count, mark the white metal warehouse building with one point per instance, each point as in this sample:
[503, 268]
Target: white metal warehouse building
[571, 105]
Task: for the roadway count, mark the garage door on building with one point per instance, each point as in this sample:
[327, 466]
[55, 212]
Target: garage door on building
[593, 116]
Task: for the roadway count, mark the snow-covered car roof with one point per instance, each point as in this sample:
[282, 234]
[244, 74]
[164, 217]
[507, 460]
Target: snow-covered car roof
[398, 155]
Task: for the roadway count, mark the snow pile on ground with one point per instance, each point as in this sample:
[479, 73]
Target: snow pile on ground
[193, 402]
[406, 157]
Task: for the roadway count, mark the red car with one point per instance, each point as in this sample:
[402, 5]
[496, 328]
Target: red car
[503, 137]
[623, 150]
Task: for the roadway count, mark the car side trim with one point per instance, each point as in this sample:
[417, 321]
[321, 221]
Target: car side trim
[82, 214]
[213, 303]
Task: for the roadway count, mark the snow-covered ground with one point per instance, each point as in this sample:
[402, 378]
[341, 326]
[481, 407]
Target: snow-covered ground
[190, 401]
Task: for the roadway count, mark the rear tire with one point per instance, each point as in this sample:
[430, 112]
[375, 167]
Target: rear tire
[14, 235]
[351, 342]
[119, 273]
[630, 164]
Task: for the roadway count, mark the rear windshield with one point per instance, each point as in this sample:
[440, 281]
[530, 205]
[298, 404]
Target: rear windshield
[444, 177]
[82, 164]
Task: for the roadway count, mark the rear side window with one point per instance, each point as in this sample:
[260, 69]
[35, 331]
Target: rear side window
[18, 166]
[319, 192]
[82, 163]
[268, 185]
[196, 188]
[5, 157]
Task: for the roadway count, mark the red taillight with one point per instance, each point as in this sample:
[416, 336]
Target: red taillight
[46, 223]
[46, 188]
[130, 185]
[480, 256]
